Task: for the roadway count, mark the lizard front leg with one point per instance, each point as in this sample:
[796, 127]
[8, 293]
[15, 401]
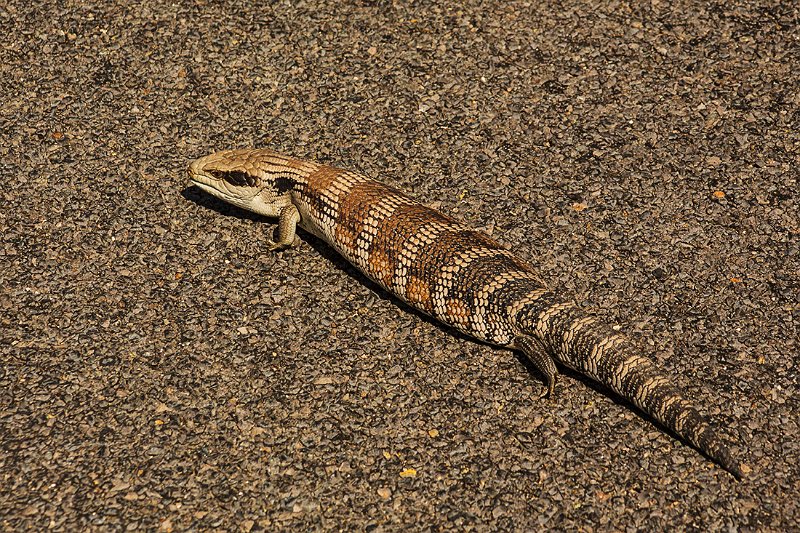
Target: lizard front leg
[286, 230]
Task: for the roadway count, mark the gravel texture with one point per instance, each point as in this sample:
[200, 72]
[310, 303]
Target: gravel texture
[160, 371]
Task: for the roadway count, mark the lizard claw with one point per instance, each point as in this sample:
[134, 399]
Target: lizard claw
[549, 391]
[273, 246]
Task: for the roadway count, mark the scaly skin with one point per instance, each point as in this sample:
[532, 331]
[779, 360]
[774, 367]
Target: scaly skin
[457, 275]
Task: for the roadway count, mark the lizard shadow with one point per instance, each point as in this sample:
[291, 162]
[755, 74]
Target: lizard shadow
[196, 195]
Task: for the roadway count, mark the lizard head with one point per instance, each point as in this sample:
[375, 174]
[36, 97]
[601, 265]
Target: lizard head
[241, 178]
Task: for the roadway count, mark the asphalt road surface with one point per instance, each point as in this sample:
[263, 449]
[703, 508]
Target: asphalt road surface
[160, 370]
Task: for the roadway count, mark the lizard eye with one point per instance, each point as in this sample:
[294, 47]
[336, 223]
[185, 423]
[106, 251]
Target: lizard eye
[237, 178]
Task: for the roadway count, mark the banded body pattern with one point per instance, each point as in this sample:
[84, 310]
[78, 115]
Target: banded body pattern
[430, 260]
[457, 275]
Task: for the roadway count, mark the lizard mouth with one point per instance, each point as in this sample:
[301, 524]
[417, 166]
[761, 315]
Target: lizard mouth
[210, 189]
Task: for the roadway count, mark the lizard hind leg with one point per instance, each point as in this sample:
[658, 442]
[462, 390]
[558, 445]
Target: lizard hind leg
[544, 363]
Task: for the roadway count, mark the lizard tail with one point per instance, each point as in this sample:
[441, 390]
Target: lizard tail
[563, 332]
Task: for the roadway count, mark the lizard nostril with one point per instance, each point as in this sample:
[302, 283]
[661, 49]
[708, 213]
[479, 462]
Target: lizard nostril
[194, 168]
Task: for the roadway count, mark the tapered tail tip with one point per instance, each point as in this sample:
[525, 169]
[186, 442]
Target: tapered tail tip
[739, 470]
[726, 461]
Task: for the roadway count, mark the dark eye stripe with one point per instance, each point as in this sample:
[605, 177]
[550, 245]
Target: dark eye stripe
[236, 178]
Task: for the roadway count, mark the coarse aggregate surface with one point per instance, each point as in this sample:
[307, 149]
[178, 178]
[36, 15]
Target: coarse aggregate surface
[159, 370]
